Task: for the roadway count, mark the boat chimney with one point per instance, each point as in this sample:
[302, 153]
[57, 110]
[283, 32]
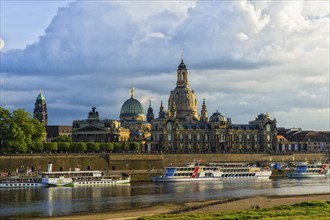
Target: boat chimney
[50, 167]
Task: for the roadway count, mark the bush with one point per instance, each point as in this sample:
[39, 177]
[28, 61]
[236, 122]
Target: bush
[63, 146]
[93, 147]
[78, 147]
[106, 147]
[50, 146]
[38, 147]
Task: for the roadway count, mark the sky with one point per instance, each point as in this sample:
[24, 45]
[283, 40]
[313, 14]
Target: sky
[243, 57]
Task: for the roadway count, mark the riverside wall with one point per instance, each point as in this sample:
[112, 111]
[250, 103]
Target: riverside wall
[136, 162]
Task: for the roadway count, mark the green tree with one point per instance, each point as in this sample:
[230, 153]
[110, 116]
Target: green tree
[134, 146]
[5, 122]
[78, 147]
[50, 146]
[63, 146]
[62, 138]
[125, 146]
[38, 147]
[16, 142]
[93, 147]
[106, 147]
[19, 132]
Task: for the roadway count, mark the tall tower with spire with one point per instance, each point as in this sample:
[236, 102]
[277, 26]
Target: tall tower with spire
[204, 115]
[150, 114]
[40, 109]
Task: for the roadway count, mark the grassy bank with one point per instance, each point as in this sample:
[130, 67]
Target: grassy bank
[305, 210]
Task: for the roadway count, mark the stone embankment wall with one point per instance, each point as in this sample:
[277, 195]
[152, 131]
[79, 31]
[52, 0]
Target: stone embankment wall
[139, 165]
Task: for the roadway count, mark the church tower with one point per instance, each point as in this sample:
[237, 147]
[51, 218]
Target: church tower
[40, 109]
[182, 98]
[204, 116]
[162, 112]
[150, 114]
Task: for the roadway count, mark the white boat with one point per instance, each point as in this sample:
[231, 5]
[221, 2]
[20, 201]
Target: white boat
[212, 172]
[305, 170]
[56, 179]
[82, 178]
[15, 181]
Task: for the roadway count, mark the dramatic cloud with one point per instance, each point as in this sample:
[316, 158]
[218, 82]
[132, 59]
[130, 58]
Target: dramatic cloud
[243, 57]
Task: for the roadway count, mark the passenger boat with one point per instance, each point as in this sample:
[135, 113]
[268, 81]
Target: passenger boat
[212, 172]
[15, 181]
[81, 178]
[305, 170]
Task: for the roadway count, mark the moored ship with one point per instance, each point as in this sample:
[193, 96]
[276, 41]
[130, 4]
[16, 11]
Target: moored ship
[212, 172]
[305, 170]
[81, 178]
[15, 181]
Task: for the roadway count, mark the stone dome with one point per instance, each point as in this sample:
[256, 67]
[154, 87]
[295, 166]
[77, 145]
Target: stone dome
[132, 109]
[217, 117]
[182, 99]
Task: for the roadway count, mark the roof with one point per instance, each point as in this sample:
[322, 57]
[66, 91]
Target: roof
[40, 96]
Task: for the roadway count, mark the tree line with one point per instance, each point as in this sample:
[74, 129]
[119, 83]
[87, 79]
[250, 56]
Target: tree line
[79, 147]
[21, 133]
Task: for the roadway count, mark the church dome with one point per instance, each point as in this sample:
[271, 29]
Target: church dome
[217, 117]
[182, 99]
[132, 109]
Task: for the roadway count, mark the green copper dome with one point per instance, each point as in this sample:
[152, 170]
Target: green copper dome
[132, 108]
[40, 96]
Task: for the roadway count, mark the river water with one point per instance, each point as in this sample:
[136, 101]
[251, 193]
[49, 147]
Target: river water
[57, 201]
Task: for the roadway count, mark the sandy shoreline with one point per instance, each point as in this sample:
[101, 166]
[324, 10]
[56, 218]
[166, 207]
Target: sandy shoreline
[199, 207]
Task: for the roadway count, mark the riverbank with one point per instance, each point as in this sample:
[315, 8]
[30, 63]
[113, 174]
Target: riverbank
[221, 205]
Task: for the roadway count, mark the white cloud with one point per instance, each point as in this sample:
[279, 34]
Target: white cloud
[244, 57]
[2, 44]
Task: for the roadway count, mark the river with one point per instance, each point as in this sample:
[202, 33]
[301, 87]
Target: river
[58, 201]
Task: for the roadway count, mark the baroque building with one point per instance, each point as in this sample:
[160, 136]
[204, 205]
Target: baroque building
[182, 130]
[95, 129]
[40, 109]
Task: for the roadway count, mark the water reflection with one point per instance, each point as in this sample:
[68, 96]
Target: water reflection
[65, 200]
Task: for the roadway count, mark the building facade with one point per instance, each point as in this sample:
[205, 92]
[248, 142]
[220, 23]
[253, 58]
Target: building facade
[298, 140]
[181, 129]
[95, 129]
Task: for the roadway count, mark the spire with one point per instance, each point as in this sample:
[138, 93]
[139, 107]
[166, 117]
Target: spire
[132, 92]
[161, 113]
[150, 114]
[40, 96]
[204, 115]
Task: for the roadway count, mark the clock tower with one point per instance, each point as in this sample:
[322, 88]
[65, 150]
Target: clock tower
[40, 109]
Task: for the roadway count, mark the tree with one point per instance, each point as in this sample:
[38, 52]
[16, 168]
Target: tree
[78, 146]
[63, 146]
[134, 146]
[50, 146]
[38, 147]
[5, 122]
[62, 138]
[19, 132]
[106, 147]
[93, 147]
[16, 142]
[125, 146]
